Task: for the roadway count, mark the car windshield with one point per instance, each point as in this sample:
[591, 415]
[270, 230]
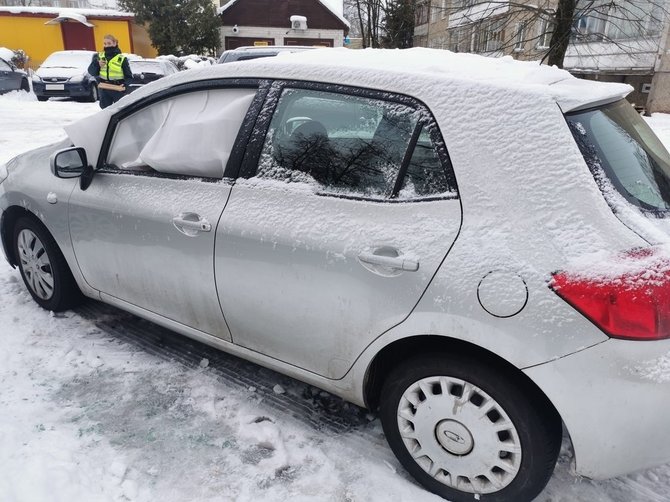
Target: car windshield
[65, 60]
[146, 67]
[614, 139]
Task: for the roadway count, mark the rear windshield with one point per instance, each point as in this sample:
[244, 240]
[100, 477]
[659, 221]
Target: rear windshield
[616, 141]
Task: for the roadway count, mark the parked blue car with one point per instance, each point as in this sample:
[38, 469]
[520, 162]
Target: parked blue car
[63, 74]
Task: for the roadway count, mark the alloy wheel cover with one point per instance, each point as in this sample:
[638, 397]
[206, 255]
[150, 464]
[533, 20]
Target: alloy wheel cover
[35, 264]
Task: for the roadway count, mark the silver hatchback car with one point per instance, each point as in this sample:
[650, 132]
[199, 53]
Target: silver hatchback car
[475, 248]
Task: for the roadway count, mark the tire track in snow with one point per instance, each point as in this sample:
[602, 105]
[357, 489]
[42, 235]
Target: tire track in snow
[320, 410]
[314, 407]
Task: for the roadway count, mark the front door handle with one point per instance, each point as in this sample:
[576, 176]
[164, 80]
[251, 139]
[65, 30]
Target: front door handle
[392, 262]
[191, 224]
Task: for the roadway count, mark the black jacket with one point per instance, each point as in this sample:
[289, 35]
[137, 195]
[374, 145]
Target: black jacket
[94, 68]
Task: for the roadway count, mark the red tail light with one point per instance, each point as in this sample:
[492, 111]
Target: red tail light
[633, 305]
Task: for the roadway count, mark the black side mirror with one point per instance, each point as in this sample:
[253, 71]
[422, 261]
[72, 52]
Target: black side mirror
[69, 163]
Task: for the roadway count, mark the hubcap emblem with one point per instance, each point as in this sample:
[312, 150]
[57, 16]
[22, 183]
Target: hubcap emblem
[454, 437]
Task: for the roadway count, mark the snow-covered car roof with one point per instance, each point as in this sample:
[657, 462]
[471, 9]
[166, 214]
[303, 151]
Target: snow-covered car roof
[6, 54]
[418, 72]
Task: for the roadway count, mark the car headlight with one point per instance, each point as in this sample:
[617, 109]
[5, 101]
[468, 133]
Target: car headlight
[36, 78]
[3, 172]
[76, 79]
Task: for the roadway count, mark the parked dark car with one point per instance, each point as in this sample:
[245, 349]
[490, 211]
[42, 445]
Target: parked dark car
[148, 70]
[63, 74]
[253, 52]
[11, 78]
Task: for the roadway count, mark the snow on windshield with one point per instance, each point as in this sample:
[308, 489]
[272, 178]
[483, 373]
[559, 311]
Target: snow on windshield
[146, 67]
[68, 60]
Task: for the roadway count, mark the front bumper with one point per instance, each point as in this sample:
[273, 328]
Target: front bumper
[614, 399]
[69, 90]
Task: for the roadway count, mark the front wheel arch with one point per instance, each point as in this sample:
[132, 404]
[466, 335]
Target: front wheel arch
[66, 292]
[9, 219]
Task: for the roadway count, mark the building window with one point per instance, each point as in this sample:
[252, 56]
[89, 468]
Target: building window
[422, 13]
[519, 36]
[434, 13]
[476, 38]
[638, 18]
[544, 34]
[459, 39]
[495, 34]
[591, 27]
[614, 21]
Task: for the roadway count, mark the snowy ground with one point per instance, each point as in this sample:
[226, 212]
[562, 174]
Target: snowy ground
[97, 405]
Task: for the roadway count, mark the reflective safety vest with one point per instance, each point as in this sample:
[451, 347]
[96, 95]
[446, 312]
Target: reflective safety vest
[114, 68]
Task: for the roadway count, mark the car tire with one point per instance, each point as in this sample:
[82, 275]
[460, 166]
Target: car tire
[42, 98]
[43, 268]
[468, 430]
[25, 86]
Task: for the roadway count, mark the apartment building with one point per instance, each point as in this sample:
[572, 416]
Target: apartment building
[611, 41]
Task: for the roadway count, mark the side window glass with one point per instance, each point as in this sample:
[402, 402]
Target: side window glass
[191, 134]
[4, 66]
[340, 143]
[425, 176]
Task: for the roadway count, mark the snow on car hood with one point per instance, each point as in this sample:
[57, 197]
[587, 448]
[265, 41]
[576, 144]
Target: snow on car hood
[59, 72]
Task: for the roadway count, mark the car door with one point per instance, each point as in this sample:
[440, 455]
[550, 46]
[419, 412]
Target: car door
[345, 210]
[143, 231]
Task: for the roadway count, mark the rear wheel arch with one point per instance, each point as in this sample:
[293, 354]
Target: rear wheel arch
[401, 350]
[404, 366]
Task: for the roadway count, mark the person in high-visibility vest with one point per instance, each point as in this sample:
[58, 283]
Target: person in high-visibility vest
[110, 67]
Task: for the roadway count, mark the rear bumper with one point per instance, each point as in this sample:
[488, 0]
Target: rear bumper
[614, 399]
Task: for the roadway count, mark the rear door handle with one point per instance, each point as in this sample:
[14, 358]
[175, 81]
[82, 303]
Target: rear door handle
[393, 262]
[191, 224]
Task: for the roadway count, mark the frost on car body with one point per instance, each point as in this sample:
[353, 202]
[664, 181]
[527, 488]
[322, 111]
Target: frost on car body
[386, 225]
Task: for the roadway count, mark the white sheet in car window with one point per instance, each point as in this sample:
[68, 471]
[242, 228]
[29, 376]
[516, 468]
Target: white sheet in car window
[191, 134]
[198, 132]
[88, 133]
